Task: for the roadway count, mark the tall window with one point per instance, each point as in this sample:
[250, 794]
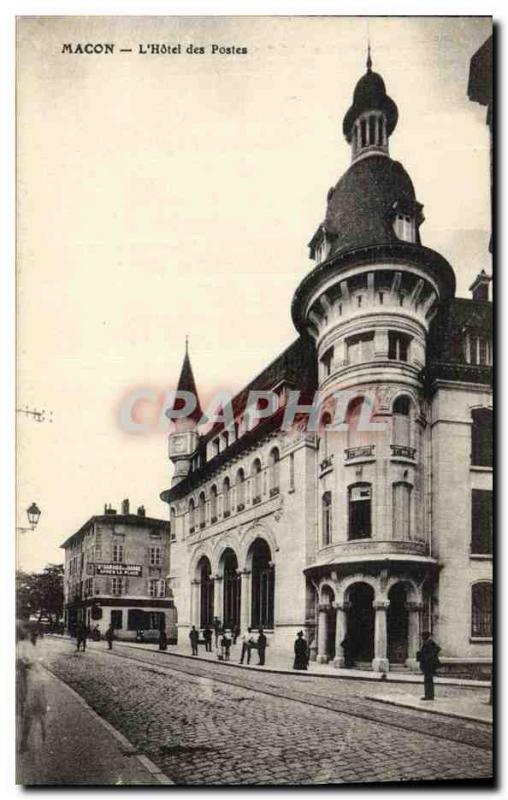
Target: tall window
[240, 490]
[360, 500]
[192, 516]
[201, 508]
[213, 504]
[117, 586]
[326, 507]
[477, 350]
[324, 442]
[360, 348]
[398, 346]
[118, 553]
[481, 522]
[274, 462]
[326, 362]
[206, 592]
[481, 610]
[481, 437]
[359, 413]
[263, 586]
[172, 524]
[226, 497]
[404, 227]
[156, 587]
[232, 590]
[401, 511]
[401, 421]
[155, 556]
[256, 481]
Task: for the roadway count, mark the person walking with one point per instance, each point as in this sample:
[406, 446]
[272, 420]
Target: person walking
[301, 652]
[207, 636]
[235, 633]
[194, 640]
[429, 663]
[261, 645]
[217, 627]
[226, 646]
[109, 637]
[163, 640]
[246, 650]
[81, 637]
[347, 649]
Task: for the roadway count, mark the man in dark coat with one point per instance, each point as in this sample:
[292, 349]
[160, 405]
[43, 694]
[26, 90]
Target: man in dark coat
[163, 640]
[109, 637]
[207, 636]
[217, 627]
[347, 649]
[261, 645]
[81, 636]
[194, 640]
[301, 652]
[429, 663]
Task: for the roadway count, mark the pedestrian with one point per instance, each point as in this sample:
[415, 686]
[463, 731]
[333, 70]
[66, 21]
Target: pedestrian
[301, 652]
[429, 663]
[236, 633]
[226, 646]
[33, 635]
[194, 640]
[347, 649]
[207, 636]
[261, 645]
[109, 637]
[217, 627]
[81, 637]
[246, 649]
[163, 640]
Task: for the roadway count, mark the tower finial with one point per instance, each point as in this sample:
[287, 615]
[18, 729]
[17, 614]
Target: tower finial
[369, 59]
[186, 344]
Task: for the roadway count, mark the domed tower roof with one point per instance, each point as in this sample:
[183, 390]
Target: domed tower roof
[370, 95]
[361, 207]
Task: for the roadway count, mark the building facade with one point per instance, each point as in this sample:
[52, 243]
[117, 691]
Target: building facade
[377, 525]
[115, 574]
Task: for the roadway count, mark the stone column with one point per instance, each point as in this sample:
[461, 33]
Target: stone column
[322, 656]
[380, 661]
[195, 598]
[413, 634]
[340, 632]
[245, 600]
[218, 597]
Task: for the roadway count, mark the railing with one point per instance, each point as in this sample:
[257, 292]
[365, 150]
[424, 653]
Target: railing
[256, 500]
[326, 463]
[226, 514]
[240, 507]
[365, 451]
[202, 525]
[401, 451]
[274, 490]
[213, 520]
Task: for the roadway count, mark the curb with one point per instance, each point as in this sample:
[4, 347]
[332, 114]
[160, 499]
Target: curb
[145, 762]
[454, 714]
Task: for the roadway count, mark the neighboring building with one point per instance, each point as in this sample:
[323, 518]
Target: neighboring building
[116, 567]
[372, 531]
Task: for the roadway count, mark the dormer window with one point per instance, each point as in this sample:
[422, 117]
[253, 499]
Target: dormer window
[477, 350]
[404, 227]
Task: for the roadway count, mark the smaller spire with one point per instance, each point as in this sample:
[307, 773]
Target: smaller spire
[369, 59]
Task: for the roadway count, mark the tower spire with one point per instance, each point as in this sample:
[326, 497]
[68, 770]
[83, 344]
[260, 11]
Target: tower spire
[369, 59]
[187, 383]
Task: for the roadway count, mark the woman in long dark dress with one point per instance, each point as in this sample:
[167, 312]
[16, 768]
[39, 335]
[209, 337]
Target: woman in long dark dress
[301, 652]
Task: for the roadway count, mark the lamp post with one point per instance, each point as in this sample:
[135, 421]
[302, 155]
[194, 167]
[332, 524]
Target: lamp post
[33, 513]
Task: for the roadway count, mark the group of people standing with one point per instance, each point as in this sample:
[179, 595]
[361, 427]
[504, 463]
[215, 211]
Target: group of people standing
[225, 639]
[83, 633]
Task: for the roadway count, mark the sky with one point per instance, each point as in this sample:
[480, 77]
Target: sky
[166, 195]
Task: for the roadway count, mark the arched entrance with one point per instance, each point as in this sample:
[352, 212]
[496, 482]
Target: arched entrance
[397, 624]
[232, 589]
[360, 622]
[204, 570]
[263, 585]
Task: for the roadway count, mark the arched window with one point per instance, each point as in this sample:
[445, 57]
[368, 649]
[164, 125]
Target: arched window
[232, 590]
[226, 497]
[274, 461]
[481, 610]
[402, 421]
[402, 510]
[263, 585]
[192, 516]
[256, 481]
[324, 441]
[360, 511]
[358, 416]
[206, 592]
[172, 524]
[481, 437]
[240, 490]
[202, 506]
[213, 504]
[326, 508]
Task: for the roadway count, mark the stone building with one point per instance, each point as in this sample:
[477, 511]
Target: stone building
[379, 524]
[115, 574]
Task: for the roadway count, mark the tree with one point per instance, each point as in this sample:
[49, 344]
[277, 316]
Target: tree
[41, 593]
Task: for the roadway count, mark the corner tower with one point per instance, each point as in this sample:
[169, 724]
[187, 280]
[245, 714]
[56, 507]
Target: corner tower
[183, 441]
[368, 304]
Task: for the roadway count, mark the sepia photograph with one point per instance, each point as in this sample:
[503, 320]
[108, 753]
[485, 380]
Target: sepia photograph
[254, 401]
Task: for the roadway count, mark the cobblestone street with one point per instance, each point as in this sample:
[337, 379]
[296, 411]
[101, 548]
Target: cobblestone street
[200, 730]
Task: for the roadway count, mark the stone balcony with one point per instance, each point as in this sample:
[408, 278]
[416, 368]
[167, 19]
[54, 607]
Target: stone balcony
[362, 453]
[378, 549]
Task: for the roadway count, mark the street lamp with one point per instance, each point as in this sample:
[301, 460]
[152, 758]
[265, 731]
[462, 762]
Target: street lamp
[33, 513]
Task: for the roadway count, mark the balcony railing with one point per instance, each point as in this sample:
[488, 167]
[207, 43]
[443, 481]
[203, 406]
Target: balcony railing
[365, 451]
[202, 525]
[213, 520]
[326, 463]
[226, 514]
[274, 490]
[240, 507]
[401, 451]
[256, 500]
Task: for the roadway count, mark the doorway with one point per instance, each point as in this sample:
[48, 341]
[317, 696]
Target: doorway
[397, 622]
[360, 622]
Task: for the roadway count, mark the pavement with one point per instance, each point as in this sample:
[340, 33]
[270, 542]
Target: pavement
[79, 748]
[203, 724]
[466, 707]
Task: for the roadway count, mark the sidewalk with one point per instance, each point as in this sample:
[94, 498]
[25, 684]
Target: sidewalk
[467, 707]
[80, 747]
